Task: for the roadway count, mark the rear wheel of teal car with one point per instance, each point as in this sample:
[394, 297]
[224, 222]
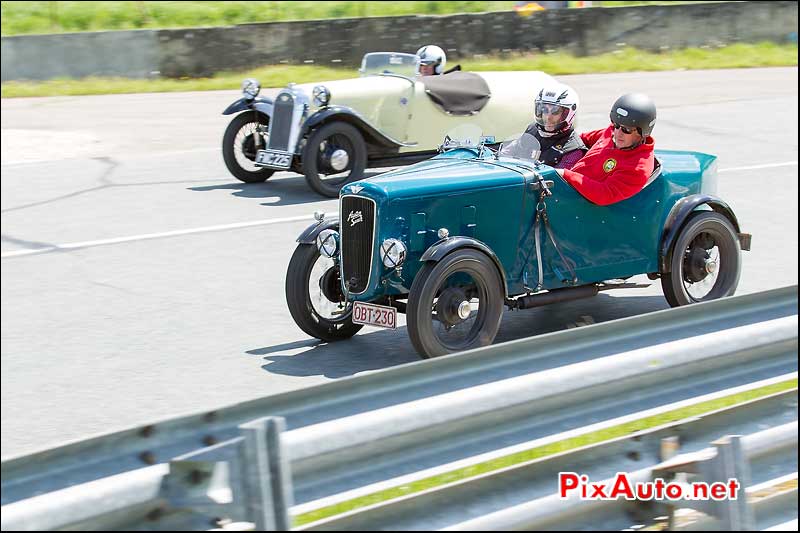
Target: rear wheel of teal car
[334, 155]
[314, 296]
[239, 146]
[455, 304]
[706, 261]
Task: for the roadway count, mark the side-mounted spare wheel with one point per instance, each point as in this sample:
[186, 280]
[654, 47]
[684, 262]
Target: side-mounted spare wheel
[334, 155]
[239, 146]
[705, 262]
[455, 304]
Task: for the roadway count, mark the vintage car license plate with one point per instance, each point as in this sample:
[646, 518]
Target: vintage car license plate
[273, 158]
[374, 315]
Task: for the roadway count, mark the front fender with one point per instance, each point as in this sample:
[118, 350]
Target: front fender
[262, 105]
[437, 251]
[309, 236]
[677, 216]
[350, 116]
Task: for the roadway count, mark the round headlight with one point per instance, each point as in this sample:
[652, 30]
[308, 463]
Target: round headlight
[251, 87]
[393, 253]
[328, 242]
[321, 95]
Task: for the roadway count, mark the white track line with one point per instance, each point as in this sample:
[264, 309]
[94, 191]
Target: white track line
[756, 167]
[89, 244]
[223, 227]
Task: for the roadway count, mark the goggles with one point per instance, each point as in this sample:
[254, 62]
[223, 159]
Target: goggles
[549, 109]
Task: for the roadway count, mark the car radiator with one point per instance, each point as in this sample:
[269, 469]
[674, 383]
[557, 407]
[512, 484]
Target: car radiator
[357, 241]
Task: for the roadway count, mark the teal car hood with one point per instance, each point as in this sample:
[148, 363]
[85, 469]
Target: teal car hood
[441, 176]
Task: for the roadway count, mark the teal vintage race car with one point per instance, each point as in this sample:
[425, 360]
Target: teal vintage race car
[453, 240]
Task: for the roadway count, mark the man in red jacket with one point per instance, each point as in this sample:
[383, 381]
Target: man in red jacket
[620, 157]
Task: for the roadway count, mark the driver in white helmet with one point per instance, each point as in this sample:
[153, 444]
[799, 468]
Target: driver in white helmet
[555, 108]
[432, 60]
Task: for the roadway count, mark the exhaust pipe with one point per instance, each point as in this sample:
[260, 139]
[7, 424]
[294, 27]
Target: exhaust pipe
[556, 296]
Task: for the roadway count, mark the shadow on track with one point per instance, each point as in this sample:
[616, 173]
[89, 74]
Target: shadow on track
[377, 349]
[285, 189]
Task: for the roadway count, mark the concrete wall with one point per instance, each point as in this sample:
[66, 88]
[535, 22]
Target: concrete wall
[132, 54]
[204, 51]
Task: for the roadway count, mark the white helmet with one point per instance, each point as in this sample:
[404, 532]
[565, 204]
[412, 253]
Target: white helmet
[555, 98]
[432, 55]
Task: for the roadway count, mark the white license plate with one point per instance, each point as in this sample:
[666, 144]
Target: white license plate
[272, 158]
[374, 315]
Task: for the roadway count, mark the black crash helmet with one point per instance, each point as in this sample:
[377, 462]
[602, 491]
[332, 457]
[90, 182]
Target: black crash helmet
[635, 110]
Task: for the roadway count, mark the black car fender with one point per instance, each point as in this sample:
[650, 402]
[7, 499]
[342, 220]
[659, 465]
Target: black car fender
[345, 114]
[261, 104]
[309, 236]
[437, 251]
[678, 215]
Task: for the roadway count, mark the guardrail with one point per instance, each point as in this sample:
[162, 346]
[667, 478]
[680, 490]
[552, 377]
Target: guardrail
[522, 496]
[728, 459]
[341, 441]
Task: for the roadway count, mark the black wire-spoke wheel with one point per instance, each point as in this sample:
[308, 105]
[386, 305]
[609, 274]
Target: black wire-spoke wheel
[334, 155]
[239, 146]
[455, 304]
[315, 298]
[706, 261]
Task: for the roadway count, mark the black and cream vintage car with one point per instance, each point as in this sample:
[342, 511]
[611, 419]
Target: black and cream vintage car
[390, 116]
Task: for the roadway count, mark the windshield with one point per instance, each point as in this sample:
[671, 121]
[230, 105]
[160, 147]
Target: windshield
[525, 147]
[463, 136]
[378, 63]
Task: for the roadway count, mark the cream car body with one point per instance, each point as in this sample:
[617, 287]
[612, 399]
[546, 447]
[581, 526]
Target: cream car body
[400, 108]
[334, 131]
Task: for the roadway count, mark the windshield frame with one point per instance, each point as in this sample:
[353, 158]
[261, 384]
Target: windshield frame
[364, 73]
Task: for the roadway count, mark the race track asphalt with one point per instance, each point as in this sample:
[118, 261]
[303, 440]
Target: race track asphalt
[108, 336]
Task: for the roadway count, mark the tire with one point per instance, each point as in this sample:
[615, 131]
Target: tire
[477, 277]
[317, 162]
[308, 309]
[706, 237]
[238, 148]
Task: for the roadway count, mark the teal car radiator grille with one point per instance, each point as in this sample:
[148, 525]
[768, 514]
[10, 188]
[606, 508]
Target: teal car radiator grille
[357, 236]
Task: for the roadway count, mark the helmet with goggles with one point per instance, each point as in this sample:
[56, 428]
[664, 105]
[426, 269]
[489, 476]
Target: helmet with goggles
[555, 108]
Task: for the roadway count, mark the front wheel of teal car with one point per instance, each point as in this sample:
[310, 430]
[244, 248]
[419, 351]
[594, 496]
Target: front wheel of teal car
[455, 304]
[314, 296]
[334, 155]
[706, 261]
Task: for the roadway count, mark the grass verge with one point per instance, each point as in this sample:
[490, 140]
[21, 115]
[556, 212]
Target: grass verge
[607, 434]
[65, 16]
[58, 17]
[557, 63]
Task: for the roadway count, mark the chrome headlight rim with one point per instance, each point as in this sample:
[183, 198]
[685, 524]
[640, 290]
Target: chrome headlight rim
[328, 243]
[393, 253]
[321, 96]
[251, 87]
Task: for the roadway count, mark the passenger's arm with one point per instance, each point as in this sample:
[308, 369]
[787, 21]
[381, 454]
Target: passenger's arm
[622, 184]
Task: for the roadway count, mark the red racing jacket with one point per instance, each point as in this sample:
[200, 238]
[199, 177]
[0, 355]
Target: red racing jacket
[606, 175]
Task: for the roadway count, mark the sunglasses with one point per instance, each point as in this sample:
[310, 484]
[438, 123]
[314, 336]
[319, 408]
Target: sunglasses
[625, 130]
